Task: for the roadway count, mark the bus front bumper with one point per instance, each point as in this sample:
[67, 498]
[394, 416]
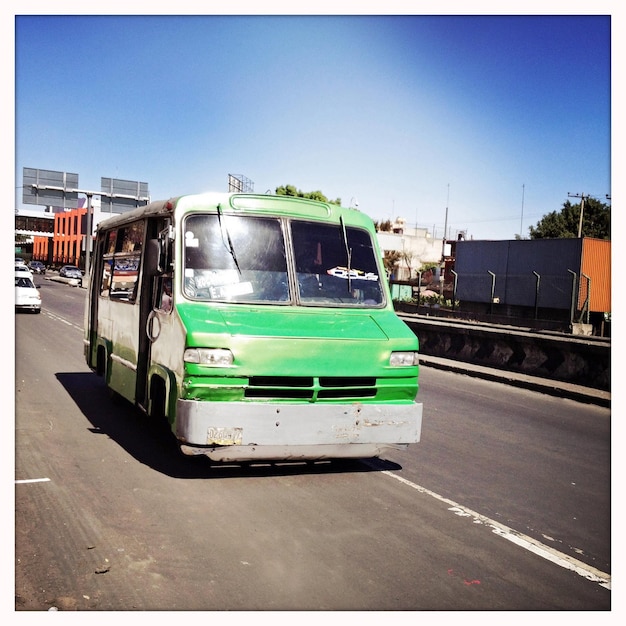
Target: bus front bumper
[239, 431]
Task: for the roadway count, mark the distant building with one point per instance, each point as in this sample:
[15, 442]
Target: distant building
[415, 245]
[63, 242]
[30, 224]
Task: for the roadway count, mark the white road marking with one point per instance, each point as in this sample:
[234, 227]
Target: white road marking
[32, 480]
[528, 543]
[61, 319]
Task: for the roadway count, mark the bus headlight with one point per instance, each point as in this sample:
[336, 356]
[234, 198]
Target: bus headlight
[403, 359]
[216, 357]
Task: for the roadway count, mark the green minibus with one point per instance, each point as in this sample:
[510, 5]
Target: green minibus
[261, 327]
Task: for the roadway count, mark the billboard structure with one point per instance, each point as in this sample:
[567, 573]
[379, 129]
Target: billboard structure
[50, 188]
[238, 183]
[121, 196]
[60, 189]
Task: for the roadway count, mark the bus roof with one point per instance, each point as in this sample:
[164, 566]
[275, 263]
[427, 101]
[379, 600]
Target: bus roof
[238, 202]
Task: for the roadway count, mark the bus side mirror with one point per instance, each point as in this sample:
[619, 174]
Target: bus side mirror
[155, 256]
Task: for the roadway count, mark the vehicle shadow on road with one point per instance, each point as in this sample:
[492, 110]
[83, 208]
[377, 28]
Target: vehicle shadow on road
[154, 445]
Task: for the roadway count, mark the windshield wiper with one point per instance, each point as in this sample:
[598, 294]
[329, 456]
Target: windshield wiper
[348, 251]
[224, 229]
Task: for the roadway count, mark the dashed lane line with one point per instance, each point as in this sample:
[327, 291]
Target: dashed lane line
[63, 320]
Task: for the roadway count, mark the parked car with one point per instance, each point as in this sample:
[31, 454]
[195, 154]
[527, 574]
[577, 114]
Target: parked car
[19, 261]
[37, 267]
[27, 296]
[22, 270]
[71, 271]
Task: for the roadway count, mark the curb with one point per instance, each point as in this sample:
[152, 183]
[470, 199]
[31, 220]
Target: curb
[532, 383]
[73, 282]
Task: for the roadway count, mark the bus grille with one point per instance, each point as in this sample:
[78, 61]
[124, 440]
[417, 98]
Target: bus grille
[310, 388]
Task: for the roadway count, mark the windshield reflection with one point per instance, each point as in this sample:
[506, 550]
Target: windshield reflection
[244, 259]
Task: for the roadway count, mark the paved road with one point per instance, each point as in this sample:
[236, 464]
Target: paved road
[504, 504]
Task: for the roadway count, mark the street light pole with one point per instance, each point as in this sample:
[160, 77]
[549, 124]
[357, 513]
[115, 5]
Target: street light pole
[88, 238]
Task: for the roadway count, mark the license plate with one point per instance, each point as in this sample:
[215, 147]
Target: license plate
[224, 436]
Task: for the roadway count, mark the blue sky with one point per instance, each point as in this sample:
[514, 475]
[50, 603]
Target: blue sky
[496, 118]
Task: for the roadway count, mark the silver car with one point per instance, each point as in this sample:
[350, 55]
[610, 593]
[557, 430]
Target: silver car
[71, 271]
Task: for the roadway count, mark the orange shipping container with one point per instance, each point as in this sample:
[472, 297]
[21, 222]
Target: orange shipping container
[596, 264]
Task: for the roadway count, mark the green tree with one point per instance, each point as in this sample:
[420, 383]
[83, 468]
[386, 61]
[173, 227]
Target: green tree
[407, 257]
[383, 227]
[391, 259]
[564, 224]
[290, 190]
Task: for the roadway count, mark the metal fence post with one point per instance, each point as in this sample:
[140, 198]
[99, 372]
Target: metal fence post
[573, 304]
[537, 293]
[493, 291]
[585, 310]
[456, 278]
[419, 286]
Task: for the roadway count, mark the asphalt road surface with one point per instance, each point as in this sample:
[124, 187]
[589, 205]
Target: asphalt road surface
[503, 505]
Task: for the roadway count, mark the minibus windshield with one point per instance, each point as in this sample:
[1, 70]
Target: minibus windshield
[335, 265]
[245, 259]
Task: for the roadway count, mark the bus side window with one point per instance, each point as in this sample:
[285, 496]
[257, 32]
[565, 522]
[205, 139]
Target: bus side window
[131, 238]
[124, 280]
[105, 285]
[110, 242]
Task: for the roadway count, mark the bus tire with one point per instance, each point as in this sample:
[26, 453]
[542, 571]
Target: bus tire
[157, 398]
[101, 358]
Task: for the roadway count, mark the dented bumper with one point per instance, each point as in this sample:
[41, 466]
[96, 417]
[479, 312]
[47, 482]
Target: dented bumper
[242, 431]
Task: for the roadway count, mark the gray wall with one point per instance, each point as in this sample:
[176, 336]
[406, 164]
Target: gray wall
[513, 263]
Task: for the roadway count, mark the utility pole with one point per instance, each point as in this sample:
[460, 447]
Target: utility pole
[442, 270]
[582, 210]
[445, 228]
[521, 224]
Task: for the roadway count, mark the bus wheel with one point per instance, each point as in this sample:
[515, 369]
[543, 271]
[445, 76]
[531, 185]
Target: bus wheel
[157, 397]
[158, 414]
[100, 362]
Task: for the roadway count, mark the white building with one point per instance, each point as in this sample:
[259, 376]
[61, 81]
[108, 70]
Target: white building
[415, 245]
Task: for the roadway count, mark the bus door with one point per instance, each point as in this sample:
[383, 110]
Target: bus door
[91, 319]
[157, 263]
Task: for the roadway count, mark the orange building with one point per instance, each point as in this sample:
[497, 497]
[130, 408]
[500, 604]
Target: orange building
[67, 244]
[42, 248]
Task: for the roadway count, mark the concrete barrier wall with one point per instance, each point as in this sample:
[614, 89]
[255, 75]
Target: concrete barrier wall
[574, 359]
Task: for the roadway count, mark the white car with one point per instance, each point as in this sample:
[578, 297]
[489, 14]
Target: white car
[22, 270]
[27, 296]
